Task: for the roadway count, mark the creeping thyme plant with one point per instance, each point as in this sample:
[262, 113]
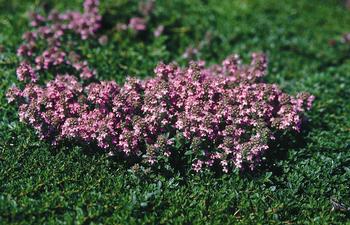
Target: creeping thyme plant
[225, 114]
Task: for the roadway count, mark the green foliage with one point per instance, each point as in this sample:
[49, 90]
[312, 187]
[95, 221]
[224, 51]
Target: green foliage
[71, 184]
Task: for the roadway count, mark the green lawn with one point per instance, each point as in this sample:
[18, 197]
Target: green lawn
[41, 184]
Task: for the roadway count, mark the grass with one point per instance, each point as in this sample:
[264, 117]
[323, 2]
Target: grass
[71, 184]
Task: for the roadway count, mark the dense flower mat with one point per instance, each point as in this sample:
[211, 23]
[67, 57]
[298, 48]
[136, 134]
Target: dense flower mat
[225, 115]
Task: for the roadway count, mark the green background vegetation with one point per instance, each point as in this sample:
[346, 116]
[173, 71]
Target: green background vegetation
[41, 184]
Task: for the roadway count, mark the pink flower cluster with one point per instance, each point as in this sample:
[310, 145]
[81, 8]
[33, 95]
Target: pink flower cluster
[140, 23]
[137, 24]
[51, 31]
[226, 114]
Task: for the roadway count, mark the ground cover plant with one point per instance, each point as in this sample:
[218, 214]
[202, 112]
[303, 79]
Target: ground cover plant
[300, 178]
[222, 115]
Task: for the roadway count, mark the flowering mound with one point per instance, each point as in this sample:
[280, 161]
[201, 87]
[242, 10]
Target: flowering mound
[225, 114]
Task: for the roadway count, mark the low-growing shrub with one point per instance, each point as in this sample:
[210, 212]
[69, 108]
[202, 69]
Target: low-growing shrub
[223, 115]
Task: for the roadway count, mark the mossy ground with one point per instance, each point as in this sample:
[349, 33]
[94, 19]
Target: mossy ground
[40, 184]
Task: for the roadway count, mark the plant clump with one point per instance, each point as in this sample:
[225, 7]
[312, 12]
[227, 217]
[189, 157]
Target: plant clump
[225, 115]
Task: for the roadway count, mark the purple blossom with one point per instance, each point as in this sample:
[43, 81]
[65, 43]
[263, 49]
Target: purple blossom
[137, 24]
[190, 53]
[26, 73]
[158, 31]
[103, 40]
[13, 94]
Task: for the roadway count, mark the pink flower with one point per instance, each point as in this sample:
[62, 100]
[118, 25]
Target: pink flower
[26, 73]
[13, 94]
[137, 24]
[158, 31]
